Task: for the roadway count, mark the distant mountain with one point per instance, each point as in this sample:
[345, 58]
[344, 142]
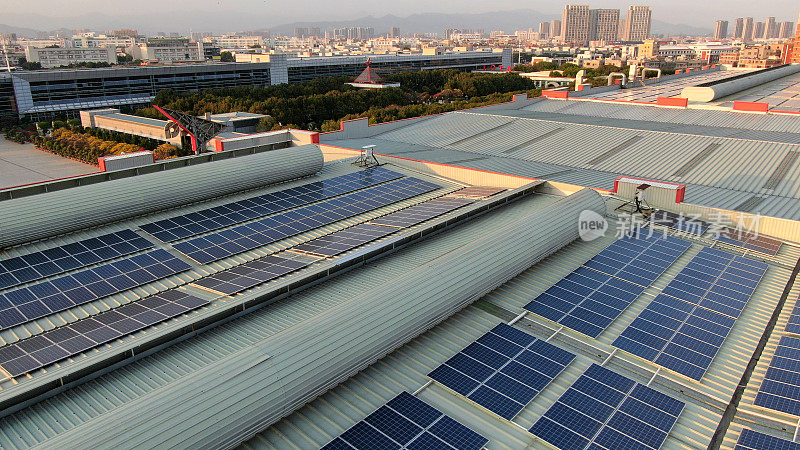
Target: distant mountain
[228, 21]
[507, 21]
[669, 29]
[20, 31]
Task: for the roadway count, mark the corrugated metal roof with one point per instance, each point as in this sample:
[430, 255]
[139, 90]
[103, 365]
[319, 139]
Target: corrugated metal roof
[102, 395]
[407, 368]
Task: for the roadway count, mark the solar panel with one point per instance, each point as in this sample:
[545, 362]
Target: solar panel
[793, 325]
[215, 246]
[681, 222]
[751, 241]
[250, 274]
[503, 370]
[77, 337]
[639, 258]
[780, 389]
[477, 192]
[344, 240]
[683, 327]
[603, 409]
[753, 440]
[416, 214]
[39, 300]
[46, 263]
[409, 423]
[221, 216]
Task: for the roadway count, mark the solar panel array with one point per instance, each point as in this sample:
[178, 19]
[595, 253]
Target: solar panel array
[39, 300]
[793, 326]
[210, 219]
[77, 337]
[603, 409]
[503, 370]
[590, 298]
[409, 423]
[780, 389]
[419, 213]
[46, 263]
[260, 271]
[751, 241]
[683, 327]
[753, 440]
[681, 222]
[221, 244]
[250, 274]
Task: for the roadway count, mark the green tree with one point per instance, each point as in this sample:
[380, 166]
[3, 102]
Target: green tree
[226, 57]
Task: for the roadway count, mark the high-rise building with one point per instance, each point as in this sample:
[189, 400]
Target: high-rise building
[603, 24]
[575, 24]
[747, 33]
[555, 28]
[758, 30]
[786, 30]
[394, 32]
[637, 24]
[738, 28]
[301, 32]
[770, 28]
[720, 29]
[544, 30]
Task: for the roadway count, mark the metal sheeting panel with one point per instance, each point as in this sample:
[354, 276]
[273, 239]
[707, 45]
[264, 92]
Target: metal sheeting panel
[258, 386]
[30, 218]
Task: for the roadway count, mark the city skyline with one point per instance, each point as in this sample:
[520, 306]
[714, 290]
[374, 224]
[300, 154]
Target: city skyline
[49, 12]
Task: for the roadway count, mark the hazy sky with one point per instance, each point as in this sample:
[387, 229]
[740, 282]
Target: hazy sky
[693, 12]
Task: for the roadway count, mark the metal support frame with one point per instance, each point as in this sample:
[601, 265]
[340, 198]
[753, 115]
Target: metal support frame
[199, 130]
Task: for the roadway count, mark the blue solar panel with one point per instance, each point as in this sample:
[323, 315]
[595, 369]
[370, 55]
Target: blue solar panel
[603, 408]
[793, 326]
[77, 337]
[503, 370]
[683, 328]
[590, 298]
[210, 219]
[30, 303]
[753, 440]
[33, 266]
[215, 246]
[250, 274]
[408, 422]
[780, 389]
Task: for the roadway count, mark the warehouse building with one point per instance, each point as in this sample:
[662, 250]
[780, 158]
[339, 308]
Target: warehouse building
[478, 289]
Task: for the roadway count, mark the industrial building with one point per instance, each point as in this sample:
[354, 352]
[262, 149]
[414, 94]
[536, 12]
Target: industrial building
[43, 95]
[570, 271]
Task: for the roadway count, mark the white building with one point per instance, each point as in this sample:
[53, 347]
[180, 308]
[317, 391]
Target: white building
[231, 41]
[55, 57]
[636, 26]
[167, 50]
[575, 23]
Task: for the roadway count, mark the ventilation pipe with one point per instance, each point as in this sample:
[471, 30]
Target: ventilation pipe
[231, 400]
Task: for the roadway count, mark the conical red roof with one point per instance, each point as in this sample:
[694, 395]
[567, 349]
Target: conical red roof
[368, 76]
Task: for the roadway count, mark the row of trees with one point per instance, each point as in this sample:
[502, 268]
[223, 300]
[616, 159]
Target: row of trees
[311, 104]
[87, 148]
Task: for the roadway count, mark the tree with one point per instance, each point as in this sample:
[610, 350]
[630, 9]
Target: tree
[165, 151]
[226, 57]
[124, 58]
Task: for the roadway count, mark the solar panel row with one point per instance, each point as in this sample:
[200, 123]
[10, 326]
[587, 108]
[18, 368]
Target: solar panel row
[681, 222]
[247, 275]
[603, 409]
[639, 258]
[408, 422]
[793, 325]
[210, 219]
[780, 389]
[753, 440]
[503, 370]
[39, 300]
[77, 337]
[344, 240]
[751, 241]
[416, 214]
[215, 246]
[590, 298]
[33, 266]
[683, 327]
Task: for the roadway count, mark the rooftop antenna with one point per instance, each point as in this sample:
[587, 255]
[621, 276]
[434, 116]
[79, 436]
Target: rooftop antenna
[367, 157]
